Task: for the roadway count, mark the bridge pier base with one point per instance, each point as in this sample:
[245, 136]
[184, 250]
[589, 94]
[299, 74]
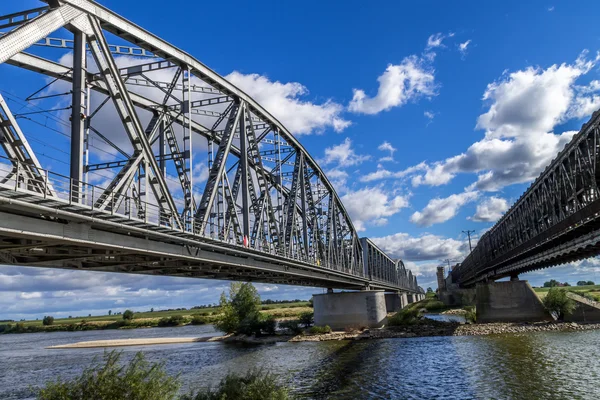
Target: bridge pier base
[350, 309]
[512, 301]
[395, 301]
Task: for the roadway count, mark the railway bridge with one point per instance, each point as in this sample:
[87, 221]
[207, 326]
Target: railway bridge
[556, 221]
[130, 124]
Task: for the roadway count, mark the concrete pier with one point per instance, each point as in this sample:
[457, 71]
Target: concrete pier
[513, 301]
[395, 301]
[350, 309]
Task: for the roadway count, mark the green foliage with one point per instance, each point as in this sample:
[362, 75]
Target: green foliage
[406, 316]
[173, 320]
[552, 283]
[311, 303]
[585, 283]
[470, 315]
[557, 302]
[268, 324]
[128, 315]
[307, 318]
[429, 290]
[198, 319]
[240, 312]
[434, 305]
[255, 385]
[111, 381]
[293, 325]
[48, 320]
[319, 330]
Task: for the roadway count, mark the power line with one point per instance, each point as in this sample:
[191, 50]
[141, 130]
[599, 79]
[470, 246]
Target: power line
[468, 233]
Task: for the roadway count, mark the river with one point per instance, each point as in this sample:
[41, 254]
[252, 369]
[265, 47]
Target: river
[544, 365]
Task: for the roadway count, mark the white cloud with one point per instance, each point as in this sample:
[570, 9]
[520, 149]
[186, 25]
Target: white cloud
[383, 173]
[387, 146]
[372, 206]
[442, 209]
[429, 115]
[519, 142]
[411, 79]
[343, 155]
[422, 248]
[490, 209]
[462, 47]
[284, 101]
[435, 40]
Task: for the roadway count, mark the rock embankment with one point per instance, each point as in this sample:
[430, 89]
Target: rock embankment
[503, 328]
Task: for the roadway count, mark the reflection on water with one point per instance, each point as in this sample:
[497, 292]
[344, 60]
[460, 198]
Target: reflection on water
[549, 365]
[446, 317]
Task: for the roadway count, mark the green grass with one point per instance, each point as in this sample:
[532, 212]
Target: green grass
[592, 290]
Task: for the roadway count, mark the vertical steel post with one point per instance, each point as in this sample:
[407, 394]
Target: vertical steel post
[187, 143]
[161, 144]
[77, 114]
[244, 171]
[304, 211]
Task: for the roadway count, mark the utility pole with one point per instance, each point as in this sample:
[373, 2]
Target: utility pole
[468, 233]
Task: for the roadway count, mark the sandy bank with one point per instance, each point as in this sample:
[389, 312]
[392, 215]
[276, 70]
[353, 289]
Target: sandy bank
[136, 342]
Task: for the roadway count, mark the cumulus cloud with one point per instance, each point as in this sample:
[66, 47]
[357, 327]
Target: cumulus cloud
[426, 247]
[490, 209]
[285, 101]
[413, 78]
[525, 106]
[442, 209]
[343, 155]
[372, 206]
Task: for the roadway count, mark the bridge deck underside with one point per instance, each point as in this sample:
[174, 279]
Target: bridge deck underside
[74, 237]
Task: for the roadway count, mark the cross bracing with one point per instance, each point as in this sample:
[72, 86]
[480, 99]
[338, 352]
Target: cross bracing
[556, 220]
[163, 150]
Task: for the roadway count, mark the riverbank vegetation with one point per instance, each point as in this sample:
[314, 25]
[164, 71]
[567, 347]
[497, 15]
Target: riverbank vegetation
[590, 291]
[558, 303]
[141, 380]
[279, 310]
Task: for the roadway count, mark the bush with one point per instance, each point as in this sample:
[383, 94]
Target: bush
[307, 318]
[173, 320]
[108, 380]
[292, 325]
[558, 303]
[128, 315]
[198, 319]
[48, 320]
[434, 305]
[406, 316]
[255, 385]
[240, 312]
[319, 330]
[470, 315]
[268, 324]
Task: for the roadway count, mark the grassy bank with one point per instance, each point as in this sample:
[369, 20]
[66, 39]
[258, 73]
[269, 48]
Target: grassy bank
[592, 291]
[166, 318]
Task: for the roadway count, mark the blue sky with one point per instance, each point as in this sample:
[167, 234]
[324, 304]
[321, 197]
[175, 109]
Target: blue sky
[430, 118]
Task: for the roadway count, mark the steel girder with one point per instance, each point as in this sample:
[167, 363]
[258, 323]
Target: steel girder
[263, 191]
[550, 221]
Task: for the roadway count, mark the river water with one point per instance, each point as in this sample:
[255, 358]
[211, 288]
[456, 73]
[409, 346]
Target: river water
[544, 365]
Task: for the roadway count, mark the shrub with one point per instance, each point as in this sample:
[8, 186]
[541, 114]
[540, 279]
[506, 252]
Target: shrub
[292, 325]
[558, 303]
[255, 385]
[268, 324]
[198, 319]
[319, 330]
[307, 318]
[48, 320]
[434, 305]
[173, 320]
[128, 315]
[108, 380]
[470, 315]
[406, 316]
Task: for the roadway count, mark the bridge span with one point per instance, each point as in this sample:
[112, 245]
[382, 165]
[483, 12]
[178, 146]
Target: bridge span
[168, 168]
[556, 221]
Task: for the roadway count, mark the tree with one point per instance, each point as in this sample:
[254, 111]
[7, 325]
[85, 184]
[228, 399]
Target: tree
[128, 315]
[152, 309]
[240, 311]
[591, 283]
[559, 303]
[429, 290]
[109, 312]
[48, 320]
[551, 283]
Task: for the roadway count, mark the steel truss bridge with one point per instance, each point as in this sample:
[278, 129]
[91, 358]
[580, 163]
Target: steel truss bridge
[140, 113]
[556, 221]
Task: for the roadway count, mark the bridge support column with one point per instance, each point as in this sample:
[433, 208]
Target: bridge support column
[394, 302]
[512, 301]
[350, 309]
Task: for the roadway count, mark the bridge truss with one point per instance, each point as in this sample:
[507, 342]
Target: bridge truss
[556, 221]
[141, 116]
